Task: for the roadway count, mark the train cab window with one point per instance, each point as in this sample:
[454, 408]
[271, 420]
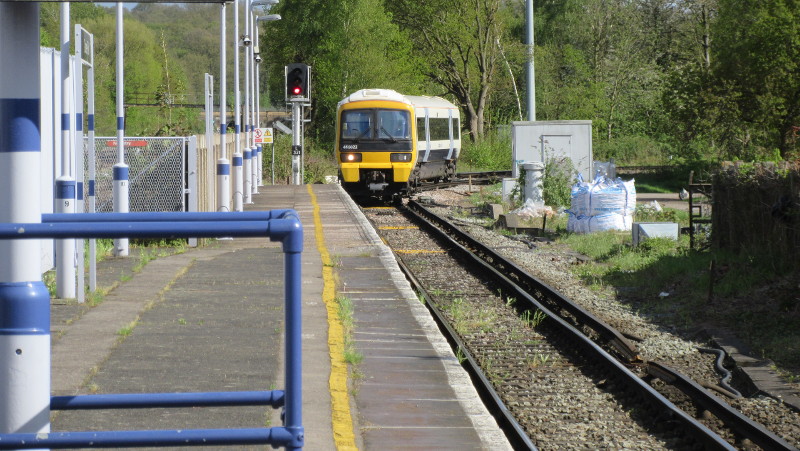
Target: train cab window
[357, 124]
[393, 124]
[456, 129]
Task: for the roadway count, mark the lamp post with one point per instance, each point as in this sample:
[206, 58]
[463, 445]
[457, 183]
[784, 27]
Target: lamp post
[223, 164]
[247, 42]
[238, 182]
[259, 160]
[531, 77]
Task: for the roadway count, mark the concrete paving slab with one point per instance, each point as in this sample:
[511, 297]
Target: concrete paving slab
[211, 319]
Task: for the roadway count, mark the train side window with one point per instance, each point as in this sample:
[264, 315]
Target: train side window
[356, 124]
[440, 128]
[420, 129]
[456, 129]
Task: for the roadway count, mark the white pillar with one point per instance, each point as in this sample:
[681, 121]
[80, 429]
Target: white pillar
[24, 300]
[223, 164]
[79, 160]
[65, 183]
[238, 181]
[120, 185]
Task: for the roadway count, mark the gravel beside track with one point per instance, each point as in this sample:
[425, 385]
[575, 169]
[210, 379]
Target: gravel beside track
[660, 342]
[554, 395]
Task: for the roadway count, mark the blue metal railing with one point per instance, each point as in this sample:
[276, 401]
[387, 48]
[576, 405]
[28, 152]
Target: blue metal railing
[278, 225]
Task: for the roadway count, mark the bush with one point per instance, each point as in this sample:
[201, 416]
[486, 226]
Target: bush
[632, 151]
[557, 182]
[492, 153]
[318, 161]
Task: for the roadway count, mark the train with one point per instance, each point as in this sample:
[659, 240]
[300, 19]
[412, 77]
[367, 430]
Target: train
[388, 144]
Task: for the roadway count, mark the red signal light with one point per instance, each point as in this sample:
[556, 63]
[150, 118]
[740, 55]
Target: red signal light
[297, 80]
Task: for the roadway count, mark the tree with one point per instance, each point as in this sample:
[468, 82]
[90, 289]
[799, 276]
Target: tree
[757, 54]
[350, 44]
[458, 40]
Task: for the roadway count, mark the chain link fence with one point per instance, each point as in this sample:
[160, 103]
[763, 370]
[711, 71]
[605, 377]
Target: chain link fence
[157, 173]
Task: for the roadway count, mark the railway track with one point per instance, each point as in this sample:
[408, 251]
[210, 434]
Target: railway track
[466, 178]
[561, 377]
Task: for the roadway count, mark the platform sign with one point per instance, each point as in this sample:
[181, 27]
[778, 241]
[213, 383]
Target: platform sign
[263, 135]
[128, 143]
[87, 47]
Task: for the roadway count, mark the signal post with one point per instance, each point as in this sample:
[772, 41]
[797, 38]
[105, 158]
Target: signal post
[298, 90]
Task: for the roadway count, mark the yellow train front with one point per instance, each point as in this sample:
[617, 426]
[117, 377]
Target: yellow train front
[388, 143]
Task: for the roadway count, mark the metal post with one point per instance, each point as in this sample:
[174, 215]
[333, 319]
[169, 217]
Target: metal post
[293, 419]
[80, 157]
[248, 152]
[223, 164]
[238, 182]
[65, 184]
[297, 144]
[302, 141]
[24, 300]
[531, 79]
[272, 162]
[257, 89]
[120, 174]
[252, 112]
[92, 176]
[209, 109]
[257, 100]
[260, 170]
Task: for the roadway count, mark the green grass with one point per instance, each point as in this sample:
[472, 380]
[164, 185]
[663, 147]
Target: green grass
[493, 153]
[695, 296]
[127, 330]
[345, 311]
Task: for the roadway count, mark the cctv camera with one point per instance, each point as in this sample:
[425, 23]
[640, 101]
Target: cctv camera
[258, 58]
[246, 41]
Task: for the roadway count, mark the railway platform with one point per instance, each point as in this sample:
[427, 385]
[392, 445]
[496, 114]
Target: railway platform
[211, 319]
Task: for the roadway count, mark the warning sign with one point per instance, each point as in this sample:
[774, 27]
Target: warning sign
[263, 135]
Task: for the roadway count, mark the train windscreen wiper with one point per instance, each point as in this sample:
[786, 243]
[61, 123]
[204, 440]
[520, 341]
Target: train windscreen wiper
[364, 133]
[391, 138]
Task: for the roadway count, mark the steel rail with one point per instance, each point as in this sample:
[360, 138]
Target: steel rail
[621, 344]
[462, 178]
[703, 434]
[731, 417]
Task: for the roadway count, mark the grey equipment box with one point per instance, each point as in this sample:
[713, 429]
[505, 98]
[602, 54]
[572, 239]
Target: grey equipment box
[644, 230]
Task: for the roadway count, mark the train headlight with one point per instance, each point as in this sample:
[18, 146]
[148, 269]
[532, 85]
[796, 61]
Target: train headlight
[350, 157]
[400, 157]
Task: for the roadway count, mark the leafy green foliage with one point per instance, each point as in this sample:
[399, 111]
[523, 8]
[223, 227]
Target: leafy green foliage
[461, 60]
[661, 81]
[557, 182]
[490, 154]
[318, 161]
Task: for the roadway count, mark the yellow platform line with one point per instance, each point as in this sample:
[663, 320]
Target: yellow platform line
[417, 251]
[341, 418]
